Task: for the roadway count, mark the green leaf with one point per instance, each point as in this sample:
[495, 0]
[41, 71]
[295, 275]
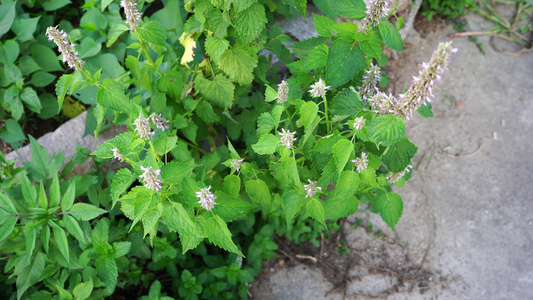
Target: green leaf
[13, 132]
[150, 219]
[340, 207]
[218, 91]
[390, 208]
[265, 124]
[345, 60]
[230, 207]
[9, 52]
[115, 32]
[351, 9]
[31, 274]
[386, 130]
[13, 102]
[238, 64]
[425, 110]
[68, 197]
[42, 79]
[40, 157]
[111, 95]
[85, 212]
[177, 219]
[121, 182]
[6, 203]
[13, 74]
[242, 5]
[316, 210]
[175, 171]
[268, 144]
[341, 153]
[28, 191]
[7, 228]
[24, 28]
[329, 174]
[218, 233]
[308, 112]
[270, 94]
[302, 48]
[31, 237]
[371, 45]
[121, 249]
[7, 15]
[346, 103]
[216, 47]
[107, 272]
[27, 64]
[300, 5]
[293, 201]
[323, 25]
[54, 196]
[46, 58]
[391, 36]
[72, 226]
[49, 106]
[347, 31]
[250, 22]
[316, 58]
[51, 5]
[153, 32]
[61, 240]
[398, 156]
[62, 86]
[347, 184]
[83, 290]
[259, 193]
[232, 185]
[89, 48]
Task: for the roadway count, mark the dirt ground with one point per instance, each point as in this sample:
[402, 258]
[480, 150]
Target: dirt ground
[467, 225]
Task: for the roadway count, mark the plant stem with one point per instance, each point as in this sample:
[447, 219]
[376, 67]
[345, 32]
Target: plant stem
[143, 47]
[328, 130]
[153, 149]
[290, 118]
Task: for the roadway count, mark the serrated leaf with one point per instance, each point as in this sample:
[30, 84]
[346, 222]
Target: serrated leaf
[83, 290]
[302, 48]
[174, 172]
[31, 274]
[54, 195]
[316, 210]
[391, 36]
[107, 271]
[218, 233]
[115, 32]
[29, 96]
[345, 60]
[218, 91]
[230, 208]
[267, 144]
[153, 32]
[111, 95]
[250, 22]
[31, 237]
[324, 145]
[329, 174]
[347, 183]
[351, 9]
[323, 25]
[72, 226]
[85, 212]
[121, 182]
[293, 201]
[386, 130]
[7, 228]
[188, 42]
[62, 86]
[425, 110]
[308, 112]
[121, 248]
[238, 64]
[390, 208]
[177, 219]
[259, 193]
[340, 207]
[316, 58]
[61, 240]
[341, 153]
[216, 47]
[398, 156]
[346, 103]
[270, 94]
[371, 45]
[265, 124]
[232, 185]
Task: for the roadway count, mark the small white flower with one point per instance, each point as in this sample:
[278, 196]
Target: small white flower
[132, 14]
[207, 199]
[236, 164]
[377, 10]
[361, 163]
[159, 121]
[394, 177]
[311, 188]
[117, 155]
[283, 91]
[318, 89]
[70, 56]
[370, 80]
[151, 178]
[287, 137]
[359, 123]
[142, 126]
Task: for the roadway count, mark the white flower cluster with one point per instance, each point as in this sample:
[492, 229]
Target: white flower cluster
[151, 178]
[361, 163]
[236, 164]
[287, 137]
[132, 14]
[117, 155]
[370, 80]
[207, 199]
[142, 125]
[318, 89]
[359, 123]
[394, 177]
[70, 56]
[311, 188]
[283, 92]
[377, 10]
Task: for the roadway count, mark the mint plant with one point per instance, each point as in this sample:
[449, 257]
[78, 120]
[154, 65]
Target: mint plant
[222, 148]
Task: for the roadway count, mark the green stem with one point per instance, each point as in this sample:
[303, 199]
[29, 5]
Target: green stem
[290, 118]
[194, 146]
[143, 47]
[328, 129]
[155, 152]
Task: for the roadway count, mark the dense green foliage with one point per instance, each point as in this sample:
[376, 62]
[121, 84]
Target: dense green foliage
[197, 65]
[446, 8]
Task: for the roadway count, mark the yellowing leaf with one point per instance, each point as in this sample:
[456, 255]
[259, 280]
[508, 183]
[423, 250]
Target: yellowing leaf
[190, 44]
